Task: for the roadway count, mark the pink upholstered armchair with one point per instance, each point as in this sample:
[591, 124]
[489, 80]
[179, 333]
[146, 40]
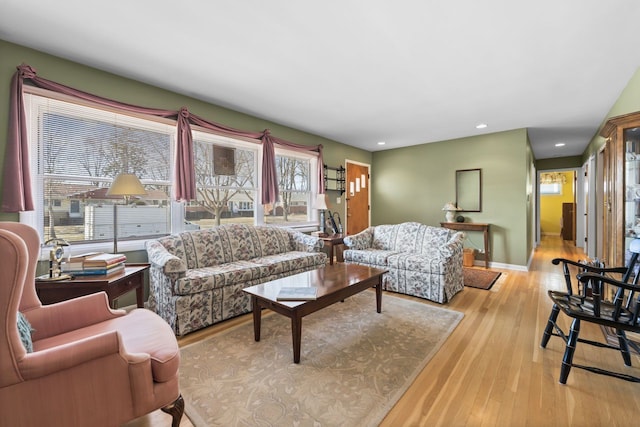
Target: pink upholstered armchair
[89, 365]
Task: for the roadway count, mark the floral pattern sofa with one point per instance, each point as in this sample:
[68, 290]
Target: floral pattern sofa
[197, 277]
[422, 260]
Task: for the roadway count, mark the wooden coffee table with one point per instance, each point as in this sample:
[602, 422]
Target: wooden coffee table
[334, 282]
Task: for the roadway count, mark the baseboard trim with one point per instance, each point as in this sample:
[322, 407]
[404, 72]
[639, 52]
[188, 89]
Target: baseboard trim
[504, 266]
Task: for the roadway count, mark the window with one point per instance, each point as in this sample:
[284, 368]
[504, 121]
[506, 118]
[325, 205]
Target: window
[294, 187]
[227, 176]
[77, 150]
[551, 189]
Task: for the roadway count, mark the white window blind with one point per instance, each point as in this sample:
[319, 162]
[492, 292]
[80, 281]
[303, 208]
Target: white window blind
[76, 153]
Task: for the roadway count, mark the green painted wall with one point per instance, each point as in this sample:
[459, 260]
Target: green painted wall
[627, 102]
[414, 183]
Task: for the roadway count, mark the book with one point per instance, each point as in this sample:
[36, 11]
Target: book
[103, 267]
[103, 260]
[81, 257]
[96, 271]
[71, 266]
[301, 293]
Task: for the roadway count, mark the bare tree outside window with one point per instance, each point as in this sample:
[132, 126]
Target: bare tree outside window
[220, 195]
[293, 185]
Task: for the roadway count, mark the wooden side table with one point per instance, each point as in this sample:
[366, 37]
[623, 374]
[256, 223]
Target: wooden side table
[115, 285]
[472, 226]
[331, 241]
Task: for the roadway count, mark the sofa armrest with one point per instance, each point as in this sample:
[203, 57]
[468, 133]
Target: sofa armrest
[161, 258]
[454, 245]
[304, 242]
[361, 240]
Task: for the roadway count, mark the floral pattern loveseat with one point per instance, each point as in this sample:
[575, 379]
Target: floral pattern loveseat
[197, 277]
[422, 260]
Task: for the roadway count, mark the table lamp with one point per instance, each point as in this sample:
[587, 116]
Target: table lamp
[321, 204]
[125, 185]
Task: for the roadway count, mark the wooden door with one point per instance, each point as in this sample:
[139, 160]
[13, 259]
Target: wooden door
[357, 197]
[568, 224]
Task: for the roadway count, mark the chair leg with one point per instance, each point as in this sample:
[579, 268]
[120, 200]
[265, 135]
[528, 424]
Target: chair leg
[553, 316]
[624, 346]
[176, 409]
[569, 351]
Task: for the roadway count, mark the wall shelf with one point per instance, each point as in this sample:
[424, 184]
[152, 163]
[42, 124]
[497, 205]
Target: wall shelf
[334, 178]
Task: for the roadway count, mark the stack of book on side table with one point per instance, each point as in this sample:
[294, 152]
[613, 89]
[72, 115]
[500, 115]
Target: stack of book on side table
[94, 263]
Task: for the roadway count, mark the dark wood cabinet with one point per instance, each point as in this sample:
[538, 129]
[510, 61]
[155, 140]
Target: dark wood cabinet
[621, 207]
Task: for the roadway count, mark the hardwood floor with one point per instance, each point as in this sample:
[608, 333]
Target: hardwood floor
[492, 372]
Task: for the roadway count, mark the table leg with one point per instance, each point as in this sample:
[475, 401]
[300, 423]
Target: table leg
[330, 253]
[296, 336]
[486, 248]
[140, 296]
[257, 317]
[379, 295]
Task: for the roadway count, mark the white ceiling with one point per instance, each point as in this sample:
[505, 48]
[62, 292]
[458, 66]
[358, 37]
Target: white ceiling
[361, 71]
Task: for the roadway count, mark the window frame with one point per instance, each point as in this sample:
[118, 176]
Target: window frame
[312, 213]
[34, 100]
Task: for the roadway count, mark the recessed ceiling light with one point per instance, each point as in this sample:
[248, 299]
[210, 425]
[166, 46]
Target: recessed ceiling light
[481, 126]
[381, 143]
[560, 144]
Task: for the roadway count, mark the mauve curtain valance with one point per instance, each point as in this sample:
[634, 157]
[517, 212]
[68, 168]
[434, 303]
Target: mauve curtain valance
[17, 193]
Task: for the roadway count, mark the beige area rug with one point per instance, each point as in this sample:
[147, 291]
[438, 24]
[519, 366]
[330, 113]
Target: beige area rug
[355, 364]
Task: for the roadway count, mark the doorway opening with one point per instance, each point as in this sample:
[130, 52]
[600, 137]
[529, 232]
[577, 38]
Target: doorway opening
[558, 208]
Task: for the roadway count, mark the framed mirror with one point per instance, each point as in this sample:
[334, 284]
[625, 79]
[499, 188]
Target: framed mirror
[469, 190]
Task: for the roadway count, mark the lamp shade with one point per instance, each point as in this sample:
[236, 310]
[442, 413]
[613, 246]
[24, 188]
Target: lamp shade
[320, 202]
[450, 206]
[126, 184]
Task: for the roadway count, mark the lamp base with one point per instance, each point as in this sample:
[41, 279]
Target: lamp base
[450, 216]
[322, 223]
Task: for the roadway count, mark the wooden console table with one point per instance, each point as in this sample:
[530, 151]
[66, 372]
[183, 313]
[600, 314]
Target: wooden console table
[472, 226]
[115, 285]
